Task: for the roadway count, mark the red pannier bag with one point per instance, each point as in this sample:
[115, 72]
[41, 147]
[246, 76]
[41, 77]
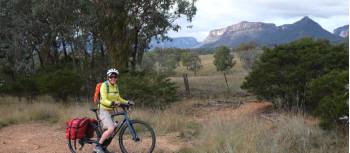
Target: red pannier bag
[78, 128]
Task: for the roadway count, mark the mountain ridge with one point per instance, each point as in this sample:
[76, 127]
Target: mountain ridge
[263, 34]
[342, 31]
[266, 33]
[176, 42]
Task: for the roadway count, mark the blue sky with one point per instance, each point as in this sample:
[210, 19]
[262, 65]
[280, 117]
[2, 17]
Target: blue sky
[214, 14]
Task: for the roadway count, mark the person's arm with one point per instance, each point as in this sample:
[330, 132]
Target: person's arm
[103, 93]
[120, 99]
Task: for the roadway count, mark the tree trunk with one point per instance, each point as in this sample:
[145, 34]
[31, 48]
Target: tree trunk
[55, 51]
[33, 60]
[228, 89]
[64, 48]
[92, 62]
[119, 56]
[40, 58]
[135, 51]
[73, 56]
[195, 69]
[187, 86]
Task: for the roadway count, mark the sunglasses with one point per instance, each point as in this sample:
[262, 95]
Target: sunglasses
[112, 77]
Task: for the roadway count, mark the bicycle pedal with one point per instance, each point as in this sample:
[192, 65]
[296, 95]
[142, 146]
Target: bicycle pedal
[136, 139]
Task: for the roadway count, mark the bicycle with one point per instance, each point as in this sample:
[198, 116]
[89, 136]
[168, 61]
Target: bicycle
[129, 140]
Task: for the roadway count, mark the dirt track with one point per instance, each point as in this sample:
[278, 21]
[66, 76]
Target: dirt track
[45, 138]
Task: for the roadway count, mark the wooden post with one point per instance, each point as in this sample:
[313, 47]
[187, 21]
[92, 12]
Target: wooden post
[187, 86]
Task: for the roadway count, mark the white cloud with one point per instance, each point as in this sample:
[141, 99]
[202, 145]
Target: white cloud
[214, 14]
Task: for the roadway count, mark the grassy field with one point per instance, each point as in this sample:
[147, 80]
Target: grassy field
[197, 129]
[209, 82]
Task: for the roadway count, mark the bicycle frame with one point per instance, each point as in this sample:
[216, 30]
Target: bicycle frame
[126, 122]
[125, 125]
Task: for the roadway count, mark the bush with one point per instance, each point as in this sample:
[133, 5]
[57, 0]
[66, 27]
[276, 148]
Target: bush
[60, 84]
[282, 73]
[329, 95]
[148, 90]
[23, 87]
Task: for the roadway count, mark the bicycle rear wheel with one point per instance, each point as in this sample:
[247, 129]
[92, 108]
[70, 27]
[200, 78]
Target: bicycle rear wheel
[79, 145]
[145, 133]
[75, 145]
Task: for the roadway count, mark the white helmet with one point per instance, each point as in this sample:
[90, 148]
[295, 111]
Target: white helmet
[111, 71]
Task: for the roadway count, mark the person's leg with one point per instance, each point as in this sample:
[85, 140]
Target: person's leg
[108, 123]
[106, 134]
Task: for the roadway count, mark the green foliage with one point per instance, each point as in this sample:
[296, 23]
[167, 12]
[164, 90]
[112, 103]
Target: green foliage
[223, 59]
[85, 36]
[23, 87]
[247, 46]
[60, 84]
[329, 95]
[191, 61]
[162, 61]
[283, 73]
[148, 90]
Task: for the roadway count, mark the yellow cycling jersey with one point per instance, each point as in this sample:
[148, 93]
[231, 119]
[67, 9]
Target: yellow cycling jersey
[112, 95]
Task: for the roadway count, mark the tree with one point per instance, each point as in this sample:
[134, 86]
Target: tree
[87, 37]
[162, 60]
[129, 25]
[223, 61]
[191, 61]
[247, 46]
[47, 29]
[283, 73]
[249, 57]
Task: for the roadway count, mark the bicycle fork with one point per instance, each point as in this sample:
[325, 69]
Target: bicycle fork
[132, 130]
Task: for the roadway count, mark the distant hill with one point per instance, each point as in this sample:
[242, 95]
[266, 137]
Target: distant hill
[266, 33]
[178, 42]
[342, 31]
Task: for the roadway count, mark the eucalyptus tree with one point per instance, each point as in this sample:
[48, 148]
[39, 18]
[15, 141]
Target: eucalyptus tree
[127, 26]
[223, 60]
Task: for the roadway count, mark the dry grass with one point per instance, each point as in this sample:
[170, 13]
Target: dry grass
[175, 119]
[204, 86]
[254, 135]
[209, 68]
[209, 82]
[219, 134]
[206, 61]
[44, 109]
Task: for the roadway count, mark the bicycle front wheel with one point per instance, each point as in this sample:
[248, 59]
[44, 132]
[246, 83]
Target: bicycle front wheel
[145, 133]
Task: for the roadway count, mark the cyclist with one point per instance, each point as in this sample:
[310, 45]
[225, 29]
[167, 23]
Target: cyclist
[109, 99]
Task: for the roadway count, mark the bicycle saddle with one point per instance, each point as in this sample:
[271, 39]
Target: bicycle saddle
[93, 109]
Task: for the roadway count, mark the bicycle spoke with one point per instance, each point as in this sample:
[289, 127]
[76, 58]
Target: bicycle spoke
[145, 143]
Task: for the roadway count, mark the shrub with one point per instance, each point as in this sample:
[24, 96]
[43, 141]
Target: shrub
[22, 87]
[60, 84]
[329, 95]
[148, 90]
[282, 73]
